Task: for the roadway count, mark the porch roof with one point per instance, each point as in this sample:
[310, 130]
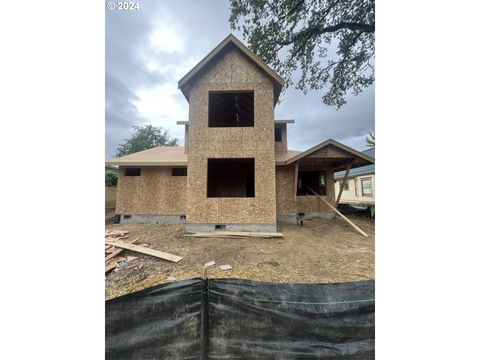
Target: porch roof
[329, 153]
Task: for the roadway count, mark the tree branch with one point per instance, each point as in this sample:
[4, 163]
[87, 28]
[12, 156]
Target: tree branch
[368, 28]
[280, 18]
[363, 28]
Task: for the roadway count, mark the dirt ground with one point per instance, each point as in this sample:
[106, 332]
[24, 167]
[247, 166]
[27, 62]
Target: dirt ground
[322, 251]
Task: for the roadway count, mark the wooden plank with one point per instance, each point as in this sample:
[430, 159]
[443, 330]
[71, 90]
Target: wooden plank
[223, 234]
[110, 266]
[239, 233]
[144, 250]
[115, 233]
[117, 251]
[339, 213]
[342, 185]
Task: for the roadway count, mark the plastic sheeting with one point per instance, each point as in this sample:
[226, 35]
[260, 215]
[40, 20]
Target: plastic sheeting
[163, 322]
[243, 319]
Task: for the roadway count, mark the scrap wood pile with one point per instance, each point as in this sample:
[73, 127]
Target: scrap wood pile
[115, 244]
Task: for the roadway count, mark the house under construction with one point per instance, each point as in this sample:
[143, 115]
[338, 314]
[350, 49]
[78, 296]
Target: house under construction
[235, 171]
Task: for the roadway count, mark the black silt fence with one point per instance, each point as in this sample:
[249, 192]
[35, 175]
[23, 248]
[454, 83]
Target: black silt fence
[243, 319]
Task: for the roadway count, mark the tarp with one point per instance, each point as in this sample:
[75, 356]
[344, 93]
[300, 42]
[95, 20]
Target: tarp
[243, 319]
[163, 322]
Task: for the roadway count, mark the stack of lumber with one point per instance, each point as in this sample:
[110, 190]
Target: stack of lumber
[112, 258]
[236, 234]
[115, 244]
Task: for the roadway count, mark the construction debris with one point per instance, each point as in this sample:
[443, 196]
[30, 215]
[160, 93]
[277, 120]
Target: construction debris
[123, 265]
[112, 252]
[236, 234]
[144, 250]
[210, 263]
[115, 233]
[226, 267]
[118, 251]
[110, 266]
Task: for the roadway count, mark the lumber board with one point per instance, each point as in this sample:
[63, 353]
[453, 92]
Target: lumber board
[115, 233]
[144, 250]
[118, 251]
[110, 266]
[222, 234]
[342, 185]
[338, 213]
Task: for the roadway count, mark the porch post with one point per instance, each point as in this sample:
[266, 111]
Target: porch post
[342, 185]
[295, 184]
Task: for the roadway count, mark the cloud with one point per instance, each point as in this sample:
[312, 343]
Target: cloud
[149, 50]
[166, 39]
[120, 112]
[316, 122]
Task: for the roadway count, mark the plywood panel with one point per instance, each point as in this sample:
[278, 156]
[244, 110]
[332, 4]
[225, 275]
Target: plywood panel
[329, 151]
[285, 193]
[281, 147]
[284, 190]
[154, 192]
[232, 72]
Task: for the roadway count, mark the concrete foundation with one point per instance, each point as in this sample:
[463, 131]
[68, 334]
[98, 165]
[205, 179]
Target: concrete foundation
[287, 219]
[232, 227]
[153, 219]
[321, 215]
[292, 219]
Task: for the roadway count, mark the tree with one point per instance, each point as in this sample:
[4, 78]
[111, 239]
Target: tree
[301, 32]
[111, 178]
[370, 139]
[144, 138]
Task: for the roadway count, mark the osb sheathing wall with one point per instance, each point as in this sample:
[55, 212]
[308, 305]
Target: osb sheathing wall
[186, 139]
[154, 192]
[232, 71]
[330, 151]
[281, 146]
[308, 204]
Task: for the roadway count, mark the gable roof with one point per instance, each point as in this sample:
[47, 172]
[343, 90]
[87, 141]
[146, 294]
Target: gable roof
[231, 40]
[326, 143]
[362, 170]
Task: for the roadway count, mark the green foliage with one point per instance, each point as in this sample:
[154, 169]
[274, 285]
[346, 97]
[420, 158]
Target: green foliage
[111, 178]
[370, 139]
[144, 138]
[292, 34]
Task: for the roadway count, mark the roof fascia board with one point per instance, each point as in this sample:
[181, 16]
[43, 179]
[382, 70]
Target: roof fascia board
[148, 163]
[330, 142]
[354, 176]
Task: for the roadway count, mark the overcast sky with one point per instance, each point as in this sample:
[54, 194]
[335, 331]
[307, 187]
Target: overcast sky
[150, 49]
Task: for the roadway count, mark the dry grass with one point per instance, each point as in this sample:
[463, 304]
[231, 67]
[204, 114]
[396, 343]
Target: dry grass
[323, 251]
